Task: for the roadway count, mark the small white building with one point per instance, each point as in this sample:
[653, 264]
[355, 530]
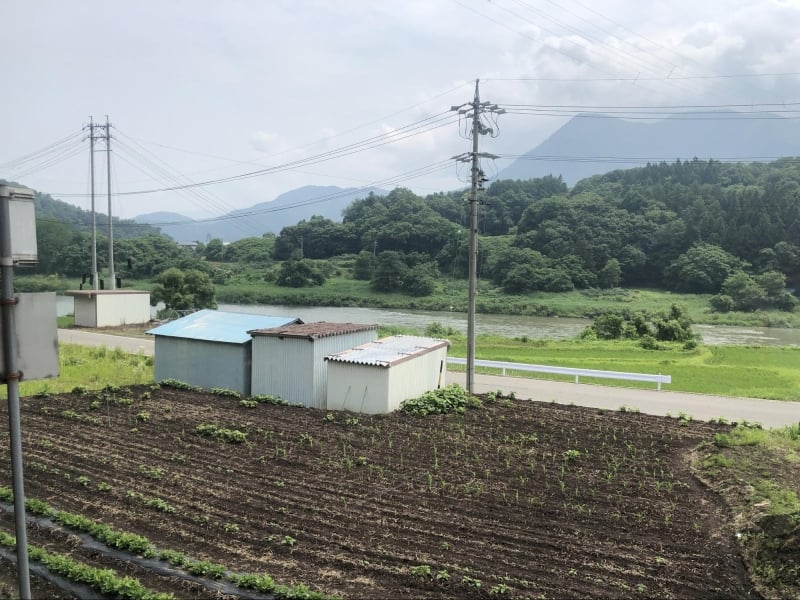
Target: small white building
[110, 308]
[210, 348]
[376, 377]
[289, 361]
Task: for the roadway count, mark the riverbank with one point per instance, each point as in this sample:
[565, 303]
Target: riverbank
[451, 296]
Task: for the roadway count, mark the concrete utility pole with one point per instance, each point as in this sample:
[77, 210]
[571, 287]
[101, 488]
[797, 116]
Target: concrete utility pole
[95, 278]
[474, 110]
[107, 137]
[112, 278]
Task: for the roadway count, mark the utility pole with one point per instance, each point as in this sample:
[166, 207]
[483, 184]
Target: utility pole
[93, 135]
[474, 110]
[95, 279]
[111, 275]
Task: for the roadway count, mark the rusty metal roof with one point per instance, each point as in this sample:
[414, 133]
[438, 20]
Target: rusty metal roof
[312, 331]
[388, 351]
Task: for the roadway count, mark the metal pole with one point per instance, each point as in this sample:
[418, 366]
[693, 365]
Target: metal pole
[111, 275]
[95, 278]
[473, 242]
[12, 383]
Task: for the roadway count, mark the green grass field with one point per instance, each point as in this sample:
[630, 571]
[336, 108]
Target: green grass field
[771, 372]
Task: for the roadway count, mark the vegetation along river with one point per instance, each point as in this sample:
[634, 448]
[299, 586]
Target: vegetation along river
[553, 328]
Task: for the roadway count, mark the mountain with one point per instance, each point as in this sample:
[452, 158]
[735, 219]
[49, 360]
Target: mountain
[272, 216]
[590, 145]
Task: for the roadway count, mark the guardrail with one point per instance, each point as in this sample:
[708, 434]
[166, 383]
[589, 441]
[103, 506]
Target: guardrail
[578, 373]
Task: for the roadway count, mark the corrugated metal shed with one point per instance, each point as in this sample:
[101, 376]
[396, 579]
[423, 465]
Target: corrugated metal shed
[376, 377]
[389, 351]
[210, 348]
[289, 361]
[219, 326]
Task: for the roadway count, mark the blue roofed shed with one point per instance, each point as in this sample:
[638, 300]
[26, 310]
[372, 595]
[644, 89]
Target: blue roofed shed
[210, 348]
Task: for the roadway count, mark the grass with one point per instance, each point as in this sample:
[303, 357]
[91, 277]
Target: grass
[91, 368]
[771, 372]
[756, 471]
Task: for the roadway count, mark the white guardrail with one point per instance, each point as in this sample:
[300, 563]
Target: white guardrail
[578, 373]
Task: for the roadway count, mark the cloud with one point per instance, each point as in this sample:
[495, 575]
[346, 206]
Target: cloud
[265, 141]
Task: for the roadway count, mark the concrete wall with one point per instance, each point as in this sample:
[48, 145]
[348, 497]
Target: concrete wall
[111, 308]
[122, 308]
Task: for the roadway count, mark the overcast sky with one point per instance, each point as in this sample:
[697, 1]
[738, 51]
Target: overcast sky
[199, 90]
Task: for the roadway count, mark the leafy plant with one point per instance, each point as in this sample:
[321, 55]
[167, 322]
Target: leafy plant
[451, 398]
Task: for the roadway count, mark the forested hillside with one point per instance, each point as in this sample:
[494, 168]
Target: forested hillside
[698, 226]
[682, 226]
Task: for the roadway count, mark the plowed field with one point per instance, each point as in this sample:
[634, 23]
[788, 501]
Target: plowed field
[515, 499]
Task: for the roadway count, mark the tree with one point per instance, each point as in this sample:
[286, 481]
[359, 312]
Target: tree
[420, 280]
[299, 273]
[610, 275]
[389, 273]
[183, 290]
[702, 269]
[252, 250]
[363, 266]
[747, 295]
[215, 250]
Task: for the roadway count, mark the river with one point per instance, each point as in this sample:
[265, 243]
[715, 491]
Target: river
[555, 328]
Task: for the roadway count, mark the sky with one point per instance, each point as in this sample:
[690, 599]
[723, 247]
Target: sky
[272, 95]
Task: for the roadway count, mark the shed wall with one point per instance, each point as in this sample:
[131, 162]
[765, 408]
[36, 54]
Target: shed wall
[295, 368]
[204, 364]
[412, 378]
[358, 388]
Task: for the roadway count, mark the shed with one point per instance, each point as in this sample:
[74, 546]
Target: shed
[210, 348]
[289, 361]
[376, 377]
[110, 308]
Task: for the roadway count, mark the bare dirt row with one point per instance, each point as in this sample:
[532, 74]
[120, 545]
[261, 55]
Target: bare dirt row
[515, 499]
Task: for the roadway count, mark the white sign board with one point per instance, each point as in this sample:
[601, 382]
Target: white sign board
[22, 216]
[37, 337]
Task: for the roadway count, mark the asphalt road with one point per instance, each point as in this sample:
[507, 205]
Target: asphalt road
[770, 413]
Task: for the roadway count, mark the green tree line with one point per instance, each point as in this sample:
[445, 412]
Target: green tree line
[731, 230]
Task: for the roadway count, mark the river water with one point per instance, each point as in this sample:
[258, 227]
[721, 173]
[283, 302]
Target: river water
[554, 328]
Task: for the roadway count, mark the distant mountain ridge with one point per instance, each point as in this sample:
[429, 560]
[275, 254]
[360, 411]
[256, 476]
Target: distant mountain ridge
[590, 144]
[272, 216]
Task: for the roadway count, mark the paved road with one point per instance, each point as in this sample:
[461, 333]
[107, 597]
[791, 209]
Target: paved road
[770, 413]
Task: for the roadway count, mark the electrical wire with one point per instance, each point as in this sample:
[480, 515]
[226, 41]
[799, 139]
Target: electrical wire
[421, 127]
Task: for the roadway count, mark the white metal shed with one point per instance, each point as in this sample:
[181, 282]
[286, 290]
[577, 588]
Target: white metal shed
[210, 348]
[376, 377]
[289, 361]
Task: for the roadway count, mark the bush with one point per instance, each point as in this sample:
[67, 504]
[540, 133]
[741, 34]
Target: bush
[722, 303]
[451, 398]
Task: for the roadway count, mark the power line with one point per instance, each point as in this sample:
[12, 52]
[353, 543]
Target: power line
[415, 129]
[668, 77]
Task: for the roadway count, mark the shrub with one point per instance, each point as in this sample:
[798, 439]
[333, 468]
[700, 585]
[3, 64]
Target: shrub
[451, 398]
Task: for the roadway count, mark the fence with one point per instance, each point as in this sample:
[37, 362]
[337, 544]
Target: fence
[578, 373]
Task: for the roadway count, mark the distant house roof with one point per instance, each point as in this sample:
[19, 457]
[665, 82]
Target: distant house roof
[312, 331]
[389, 351]
[219, 326]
